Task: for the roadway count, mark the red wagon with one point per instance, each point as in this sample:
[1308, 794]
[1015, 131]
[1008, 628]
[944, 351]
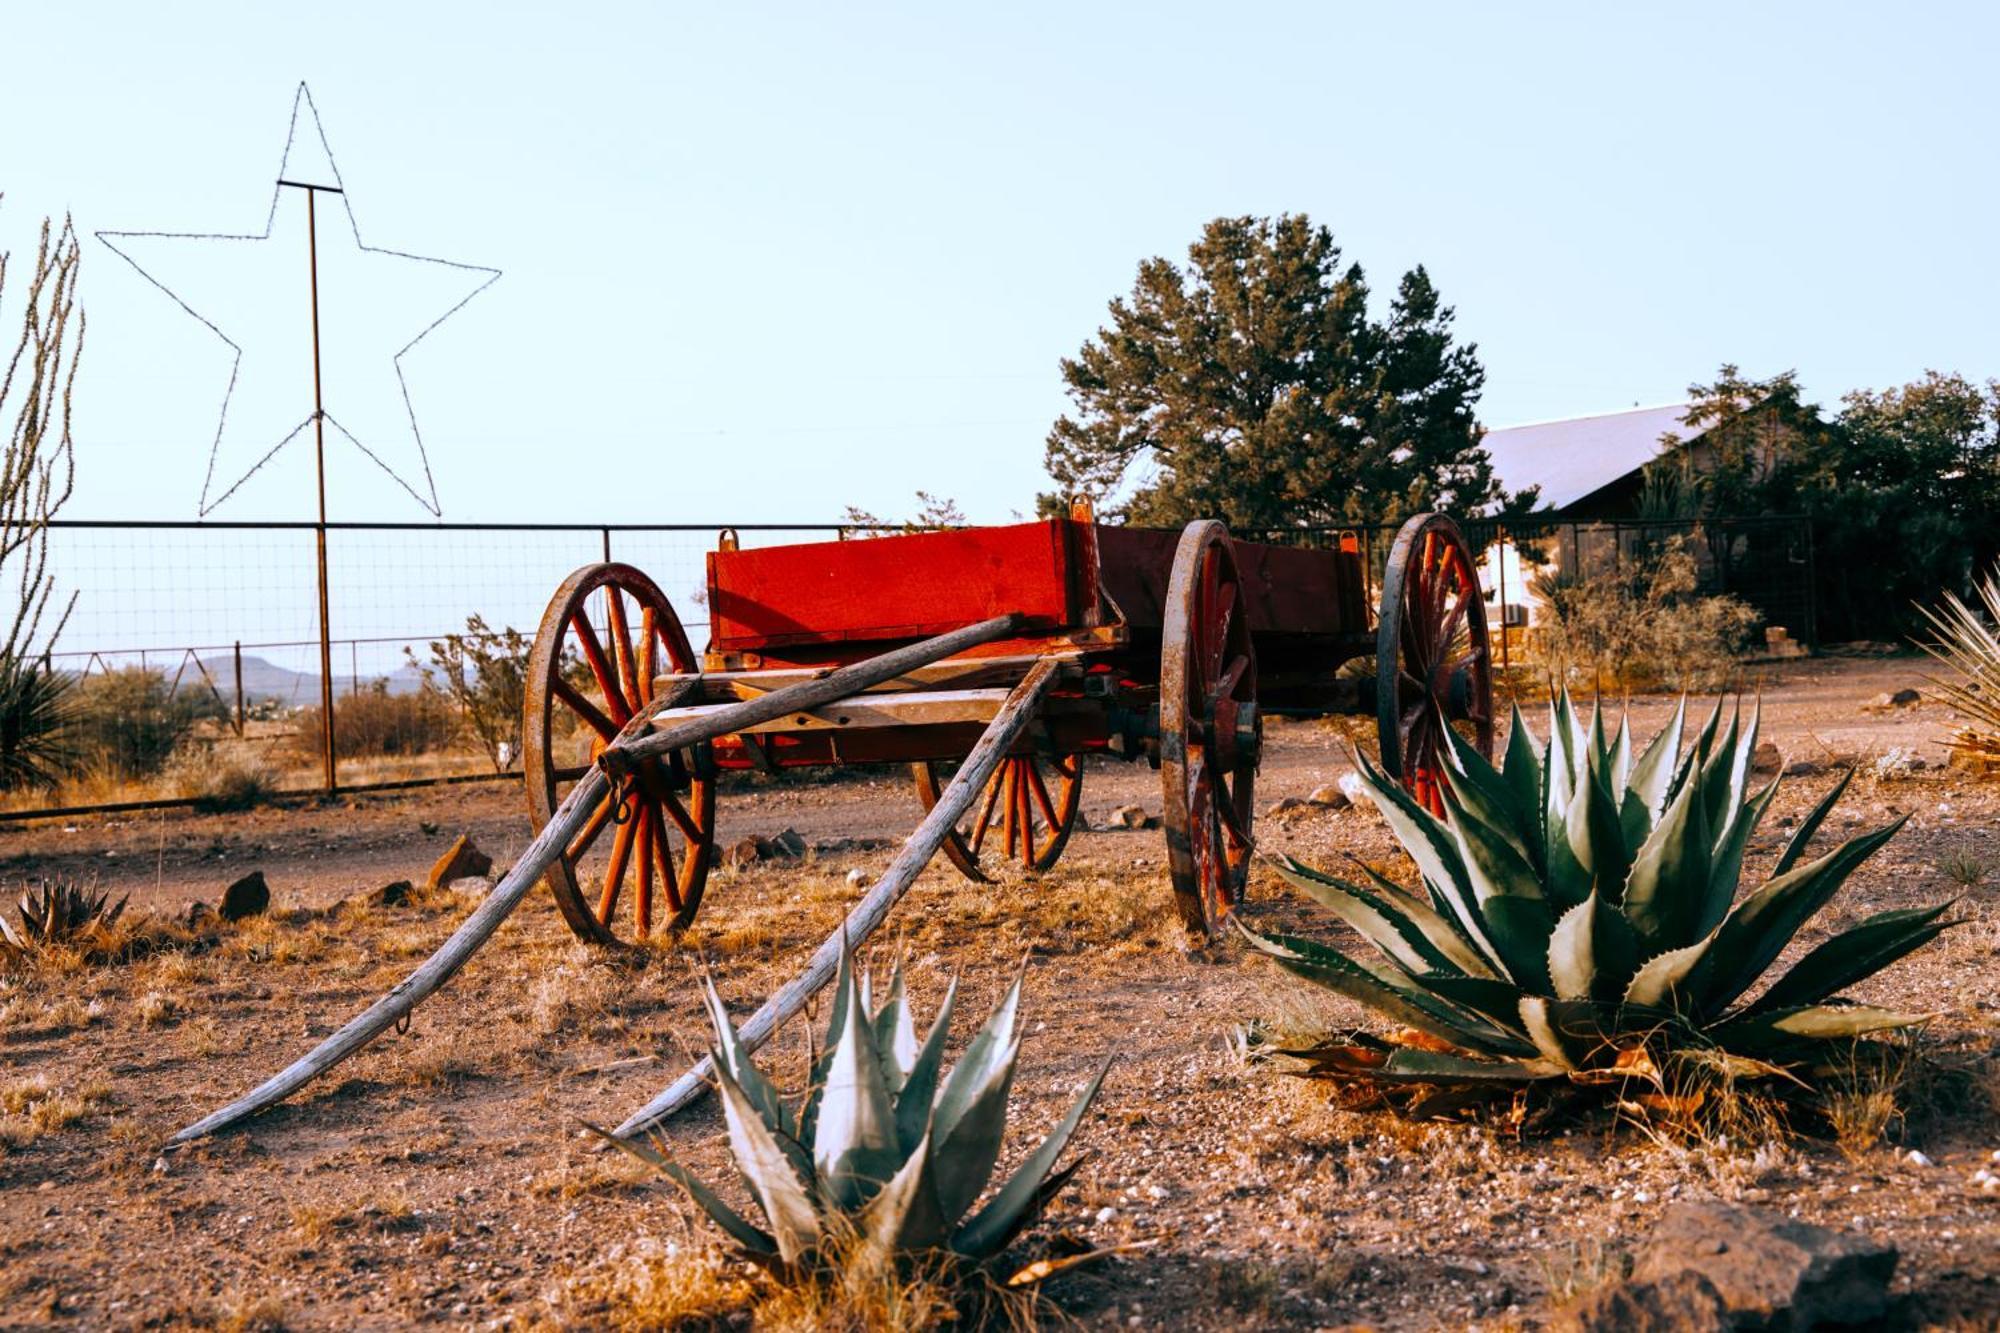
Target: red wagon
[1170, 646]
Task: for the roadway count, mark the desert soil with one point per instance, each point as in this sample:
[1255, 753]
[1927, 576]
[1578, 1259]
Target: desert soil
[442, 1176]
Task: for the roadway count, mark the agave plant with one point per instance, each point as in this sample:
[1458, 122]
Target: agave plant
[887, 1152]
[1967, 644]
[1580, 908]
[54, 912]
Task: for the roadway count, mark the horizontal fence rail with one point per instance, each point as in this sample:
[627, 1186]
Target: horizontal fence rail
[193, 649]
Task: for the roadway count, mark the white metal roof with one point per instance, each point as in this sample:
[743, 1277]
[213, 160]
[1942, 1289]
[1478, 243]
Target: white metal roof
[1571, 459]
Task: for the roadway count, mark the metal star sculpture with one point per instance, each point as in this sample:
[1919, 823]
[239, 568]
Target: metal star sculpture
[214, 492]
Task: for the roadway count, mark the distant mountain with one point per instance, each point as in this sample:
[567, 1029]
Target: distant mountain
[266, 680]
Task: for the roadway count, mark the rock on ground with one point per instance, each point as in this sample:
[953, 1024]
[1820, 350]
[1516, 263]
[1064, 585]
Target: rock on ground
[1682, 1303]
[249, 896]
[1768, 1269]
[460, 860]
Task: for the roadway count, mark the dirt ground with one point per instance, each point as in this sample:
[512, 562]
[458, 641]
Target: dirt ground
[441, 1177]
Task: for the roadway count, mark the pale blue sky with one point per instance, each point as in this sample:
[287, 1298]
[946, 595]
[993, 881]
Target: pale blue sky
[764, 262]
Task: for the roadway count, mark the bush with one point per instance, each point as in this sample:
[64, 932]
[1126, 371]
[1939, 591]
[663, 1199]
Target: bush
[34, 706]
[1965, 639]
[127, 723]
[374, 722]
[485, 674]
[1643, 625]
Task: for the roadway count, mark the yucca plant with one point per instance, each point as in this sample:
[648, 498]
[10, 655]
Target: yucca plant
[886, 1154]
[1968, 645]
[1579, 917]
[56, 912]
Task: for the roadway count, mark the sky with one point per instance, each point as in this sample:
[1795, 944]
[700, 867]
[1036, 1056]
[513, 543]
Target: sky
[763, 262]
[760, 263]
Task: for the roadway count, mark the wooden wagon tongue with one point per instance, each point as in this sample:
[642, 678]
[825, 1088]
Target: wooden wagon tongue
[638, 740]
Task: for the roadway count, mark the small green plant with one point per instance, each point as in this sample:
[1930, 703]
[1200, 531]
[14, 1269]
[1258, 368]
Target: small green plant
[884, 1158]
[1579, 920]
[1963, 868]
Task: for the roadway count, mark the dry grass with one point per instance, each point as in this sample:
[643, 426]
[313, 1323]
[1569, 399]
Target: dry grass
[33, 1107]
[1571, 1272]
[157, 1008]
[648, 1285]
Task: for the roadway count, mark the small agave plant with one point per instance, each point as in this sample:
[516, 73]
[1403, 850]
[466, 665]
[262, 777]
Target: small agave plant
[887, 1152]
[1580, 909]
[55, 912]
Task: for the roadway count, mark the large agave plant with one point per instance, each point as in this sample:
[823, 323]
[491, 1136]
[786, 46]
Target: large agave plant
[1580, 903]
[887, 1152]
[1966, 642]
[54, 912]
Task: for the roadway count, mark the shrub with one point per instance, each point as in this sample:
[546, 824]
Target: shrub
[373, 722]
[128, 722]
[1644, 624]
[485, 674]
[1579, 922]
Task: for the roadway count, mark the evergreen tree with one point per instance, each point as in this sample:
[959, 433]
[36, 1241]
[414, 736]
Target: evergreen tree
[1252, 386]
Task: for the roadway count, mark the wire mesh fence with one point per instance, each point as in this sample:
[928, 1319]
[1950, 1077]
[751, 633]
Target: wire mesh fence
[193, 650]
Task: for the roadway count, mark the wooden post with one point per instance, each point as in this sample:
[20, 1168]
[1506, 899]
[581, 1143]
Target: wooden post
[869, 913]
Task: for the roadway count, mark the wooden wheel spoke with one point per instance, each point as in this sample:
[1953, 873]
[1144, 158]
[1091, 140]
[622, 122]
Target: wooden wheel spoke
[649, 635]
[614, 874]
[985, 820]
[642, 853]
[663, 858]
[622, 655]
[583, 708]
[682, 819]
[607, 678]
[1042, 798]
[1232, 680]
[580, 845]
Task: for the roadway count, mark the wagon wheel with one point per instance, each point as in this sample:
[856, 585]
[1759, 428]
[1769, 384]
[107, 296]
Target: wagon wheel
[1433, 663]
[1030, 799]
[589, 672]
[1210, 732]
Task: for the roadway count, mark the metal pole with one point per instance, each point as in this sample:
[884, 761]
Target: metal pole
[1500, 549]
[239, 689]
[607, 544]
[319, 529]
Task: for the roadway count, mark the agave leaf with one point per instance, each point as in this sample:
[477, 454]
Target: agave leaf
[744, 1232]
[905, 1214]
[1810, 825]
[1564, 1032]
[1522, 770]
[1496, 1001]
[1662, 979]
[1618, 765]
[1520, 929]
[967, 1152]
[1017, 1201]
[767, 1170]
[1858, 952]
[1645, 795]
[1386, 926]
[1410, 1065]
[836, 1019]
[1572, 961]
[748, 1077]
[1434, 917]
[1484, 793]
[1720, 791]
[1428, 843]
[1494, 867]
[854, 1146]
[1596, 840]
[1729, 848]
[1781, 1028]
[1759, 927]
[913, 1103]
[1334, 970]
[895, 1033]
[1669, 881]
[984, 1053]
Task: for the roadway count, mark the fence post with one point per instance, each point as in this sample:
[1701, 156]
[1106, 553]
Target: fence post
[239, 689]
[1500, 549]
[606, 533]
